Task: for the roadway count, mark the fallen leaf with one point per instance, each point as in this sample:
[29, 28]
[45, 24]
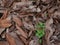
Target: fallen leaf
[5, 23]
[5, 14]
[3, 43]
[1, 30]
[49, 28]
[34, 42]
[21, 31]
[28, 26]
[18, 5]
[23, 40]
[10, 39]
[17, 20]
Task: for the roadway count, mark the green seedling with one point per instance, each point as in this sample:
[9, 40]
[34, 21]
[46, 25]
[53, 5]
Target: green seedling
[40, 31]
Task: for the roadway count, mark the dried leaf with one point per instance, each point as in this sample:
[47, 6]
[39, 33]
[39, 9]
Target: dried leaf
[5, 23]
[8, 3]
[30, 33]
[5, 14]
[24, 40]
[28, 26]
[49, 28]
[1, 30]
[10, 39]
[18, 5]
[34, 42]
[3, 43]
[19, 42]
[21, 31]
[17, 20]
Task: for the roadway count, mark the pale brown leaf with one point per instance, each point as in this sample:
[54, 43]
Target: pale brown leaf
[23, 40]
[10, 39]
[5, 23]
[21, 31]
[17, 20]
[49, 30]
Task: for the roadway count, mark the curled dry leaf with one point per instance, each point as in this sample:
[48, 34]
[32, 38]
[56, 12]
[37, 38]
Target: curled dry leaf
[10, 39]
[21, 31]
[17, 20]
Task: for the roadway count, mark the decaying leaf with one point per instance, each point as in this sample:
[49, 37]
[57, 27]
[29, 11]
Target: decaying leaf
[3, 43]
[28, 26]
[1, 30]
[17, 20]
[49, 28]
[5, 23]
[34, 42]
[18, 5]
[10, 39]
[5, 14]
[24, 40]
[21, 31]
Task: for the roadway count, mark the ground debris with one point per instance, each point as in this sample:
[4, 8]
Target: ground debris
[18, 20]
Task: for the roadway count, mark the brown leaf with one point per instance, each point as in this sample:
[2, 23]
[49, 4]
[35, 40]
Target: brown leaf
[30, 33]
[18, 5]
[3, 43]
[10, 39]
[19, 42]
[17, 20]
[49, 30]
[23, 40]
[5, 14]
[1, 30]
[5, 23]
[34, 42]
[8, 3]
[28, 26]
[21, 31]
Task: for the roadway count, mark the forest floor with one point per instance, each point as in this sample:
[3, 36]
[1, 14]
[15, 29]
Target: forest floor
[29, 22]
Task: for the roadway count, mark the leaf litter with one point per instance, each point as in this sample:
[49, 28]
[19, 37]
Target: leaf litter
[19, 19]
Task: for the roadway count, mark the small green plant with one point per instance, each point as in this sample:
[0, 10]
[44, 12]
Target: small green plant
[40, 31]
